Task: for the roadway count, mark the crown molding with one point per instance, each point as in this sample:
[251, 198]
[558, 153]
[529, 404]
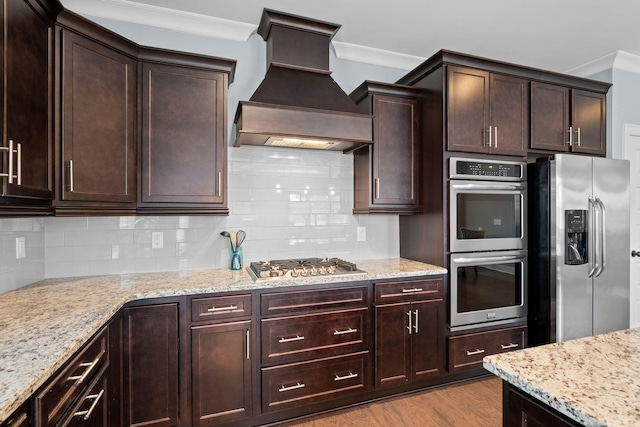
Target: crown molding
[370, 55]
[619, 60]
[162, 17]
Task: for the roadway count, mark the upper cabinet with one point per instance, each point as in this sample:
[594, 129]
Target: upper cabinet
[98, 117]
[386, 172]
[486, 112]
[566, 119]
[26, 149]
[183, 133]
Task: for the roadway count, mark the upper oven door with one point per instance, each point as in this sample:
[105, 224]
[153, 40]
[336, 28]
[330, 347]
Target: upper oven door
[487, 215]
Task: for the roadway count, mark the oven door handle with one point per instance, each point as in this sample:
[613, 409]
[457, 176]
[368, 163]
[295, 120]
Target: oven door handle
[485, 260]
[502, 187]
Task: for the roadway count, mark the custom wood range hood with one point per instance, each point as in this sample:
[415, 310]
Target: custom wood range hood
[298, 104]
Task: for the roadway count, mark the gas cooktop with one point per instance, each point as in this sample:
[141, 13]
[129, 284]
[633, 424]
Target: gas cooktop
[301, 268]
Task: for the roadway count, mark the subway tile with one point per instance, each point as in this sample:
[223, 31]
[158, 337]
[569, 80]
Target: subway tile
[66, 223]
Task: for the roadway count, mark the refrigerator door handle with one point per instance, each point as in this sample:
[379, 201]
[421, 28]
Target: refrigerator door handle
[593, 236]
[602, 237]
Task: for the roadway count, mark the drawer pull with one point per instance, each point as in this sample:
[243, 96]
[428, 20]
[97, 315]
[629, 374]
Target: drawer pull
[510, 345]
[227, 308]
[291, 387]
[296, 338]
[85, 374]
[474, 352]
[408, 291]
[346, 331]
[87, 414]
[345, 377]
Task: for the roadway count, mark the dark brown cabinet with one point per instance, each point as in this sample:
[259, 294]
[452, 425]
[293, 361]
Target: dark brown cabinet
[150, 365]
[98, 117]
[19, 418]
[487, 112]
[183, 132]
[26, 160]
[567, 120]
[467, 350]
[521, 410]
[221, 360]
[386, 172]
[410, 333]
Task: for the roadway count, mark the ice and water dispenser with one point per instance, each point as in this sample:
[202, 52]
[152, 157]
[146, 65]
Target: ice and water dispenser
[576, 237]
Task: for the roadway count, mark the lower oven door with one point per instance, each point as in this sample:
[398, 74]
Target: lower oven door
[488, 287]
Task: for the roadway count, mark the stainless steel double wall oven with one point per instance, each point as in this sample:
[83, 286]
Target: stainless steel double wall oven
[487, 242]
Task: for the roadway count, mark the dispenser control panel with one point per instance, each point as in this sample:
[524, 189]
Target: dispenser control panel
[576, 240]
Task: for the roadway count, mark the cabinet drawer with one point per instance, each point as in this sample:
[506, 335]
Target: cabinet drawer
[62, 391]
[304, 383]
[312, 300]
[227, 307]
[408, 291]
[467, 351]
[285, 339]
[91, 409]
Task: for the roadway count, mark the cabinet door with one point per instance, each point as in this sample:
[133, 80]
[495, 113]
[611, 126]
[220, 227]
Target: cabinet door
[588, 120]
[28, 100]
[509, 115]
[98, 114]
[393, 345]
[150, 368]
[522, 411]
[395, 151]
[467, 110]
[221, 356]
[427, 345]
[183, 136]
[549, 117]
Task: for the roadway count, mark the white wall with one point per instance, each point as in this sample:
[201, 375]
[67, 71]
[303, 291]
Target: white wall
[291, 203]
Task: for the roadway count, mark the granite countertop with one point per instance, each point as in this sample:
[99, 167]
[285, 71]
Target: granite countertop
[44, 324]
[594, 381]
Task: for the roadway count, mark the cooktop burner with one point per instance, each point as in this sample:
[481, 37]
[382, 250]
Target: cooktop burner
[300, 268]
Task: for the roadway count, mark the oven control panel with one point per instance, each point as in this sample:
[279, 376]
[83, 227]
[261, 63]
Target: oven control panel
[486, 169]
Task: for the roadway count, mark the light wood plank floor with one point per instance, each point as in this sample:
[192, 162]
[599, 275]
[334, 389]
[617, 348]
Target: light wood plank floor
[475, 403]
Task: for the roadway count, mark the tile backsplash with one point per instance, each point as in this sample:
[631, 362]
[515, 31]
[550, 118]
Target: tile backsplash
[291, 203]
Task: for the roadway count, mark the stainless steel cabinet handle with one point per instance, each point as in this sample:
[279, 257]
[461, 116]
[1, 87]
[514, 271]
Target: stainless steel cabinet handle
[227, 308]
[219, 183]
[345, 331]
[495, 137]
[377, 188]
[70, 176]
[489, 136]
[87, 413]
[292, 387]
[11, 161]
[415, 325]
[83, 376]
[408, 291]
[345, 377]
[409, 326]
[510, 345]
[578, 137]
[296, 338]
[570, 142]
[474, 352]
[248, 337]
[19, 163]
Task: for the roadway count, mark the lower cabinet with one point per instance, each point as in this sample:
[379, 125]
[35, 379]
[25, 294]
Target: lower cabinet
[221, 361]
[521, 410]
[409, 335]
[150, 365]
[466, 351]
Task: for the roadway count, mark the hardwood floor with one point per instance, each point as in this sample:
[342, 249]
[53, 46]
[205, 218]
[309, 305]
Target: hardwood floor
[476, 403]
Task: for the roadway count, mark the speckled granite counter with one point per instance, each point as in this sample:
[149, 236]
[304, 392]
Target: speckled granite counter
[594, 381]
[43, 324]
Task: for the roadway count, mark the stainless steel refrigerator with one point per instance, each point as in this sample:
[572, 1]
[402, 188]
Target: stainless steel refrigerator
[578, 247]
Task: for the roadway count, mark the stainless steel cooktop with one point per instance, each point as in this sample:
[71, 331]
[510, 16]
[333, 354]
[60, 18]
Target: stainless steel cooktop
[301, 268]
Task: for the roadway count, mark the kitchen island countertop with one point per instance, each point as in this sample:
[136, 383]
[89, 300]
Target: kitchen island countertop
[594, 381]
[42, 325]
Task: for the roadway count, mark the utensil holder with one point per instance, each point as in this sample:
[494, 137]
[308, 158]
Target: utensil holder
[235, 258]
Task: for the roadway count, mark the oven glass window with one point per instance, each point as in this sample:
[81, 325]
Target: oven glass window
[488, 216]
[484, 287]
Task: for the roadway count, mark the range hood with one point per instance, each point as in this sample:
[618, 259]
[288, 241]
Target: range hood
[298, 104]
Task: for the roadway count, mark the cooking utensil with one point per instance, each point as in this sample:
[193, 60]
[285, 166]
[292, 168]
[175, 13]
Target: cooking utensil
[225, 234]
[232, 237]
[240, 236]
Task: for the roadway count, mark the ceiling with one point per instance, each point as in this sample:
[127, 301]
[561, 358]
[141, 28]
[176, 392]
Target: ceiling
[556, 35]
